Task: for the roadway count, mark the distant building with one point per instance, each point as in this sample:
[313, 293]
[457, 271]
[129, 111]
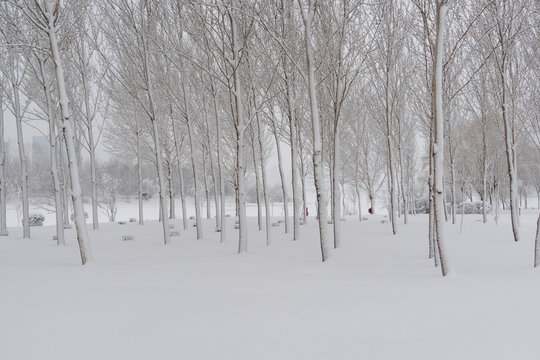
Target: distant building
[41, 150]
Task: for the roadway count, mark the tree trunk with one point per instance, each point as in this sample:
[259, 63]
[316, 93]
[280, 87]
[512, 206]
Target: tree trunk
[335, 188]
[240, 130]
[156, 133]
[282, 177]
[403, 190]
[76, 193]
[92, 152]
[537, 244]
[438, 126]
[294, 156]
[22, 153]
[326, 245]
[172, 214]
[213, 173]
[510, 154]
[3, 188]
[357, 188]
[53, 139]
[193, 161]
[180, 177]
[139, 175]
[222, 236]
[267, 216]
[257, 181]
[391, 173]
[206, 190]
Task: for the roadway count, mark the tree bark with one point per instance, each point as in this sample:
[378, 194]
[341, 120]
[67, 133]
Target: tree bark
[307, 17]
[53, 139]
[240, 130]
[76, 193]
[139, 175]
[193, 161]
[3, 188]
[15, 83]
[438, 126]
[537, 244]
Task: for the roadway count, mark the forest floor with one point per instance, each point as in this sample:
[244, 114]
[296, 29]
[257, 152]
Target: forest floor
[378, 298]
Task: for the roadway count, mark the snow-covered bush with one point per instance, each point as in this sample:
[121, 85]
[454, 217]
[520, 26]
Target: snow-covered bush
[421, 206]
[473, 208]
[36, 219]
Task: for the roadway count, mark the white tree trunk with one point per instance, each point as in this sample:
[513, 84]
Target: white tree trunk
[76, 193]
[155, 133]
[193, 160]
[537, 244]
[282, 178]
[510, 157]
[335, 188]
[257, 181]
[53, 139]
[206, 189]
[222, 236]
[22, 153]
[438, 126]
[139, 175]
[91, 148]
[180, 176]
[326, 244]
[3, 197]
[267, 216]
[240, 130]
[213, 173]
[294, 159]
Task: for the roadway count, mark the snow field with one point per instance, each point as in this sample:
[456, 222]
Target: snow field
[378, 298]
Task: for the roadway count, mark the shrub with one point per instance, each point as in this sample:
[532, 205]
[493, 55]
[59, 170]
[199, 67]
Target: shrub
[36, 219]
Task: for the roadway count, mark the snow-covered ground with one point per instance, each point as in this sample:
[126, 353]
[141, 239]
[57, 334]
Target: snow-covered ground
[378, 298]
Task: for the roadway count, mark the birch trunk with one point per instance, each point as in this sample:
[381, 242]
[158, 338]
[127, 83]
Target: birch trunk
[213, 173]
[267, 216]
[140, 180]
[402, 183]
[389, 149]
[206, 190]
[302, 177]
[282, 177]
[222, 236]
[155, 133]
[3, 197]
[172, 214]
[335, 188]
[537, 244]
[76, 193]
[180, 176]
[65, 181]
[53, 139]
[91, 145]
[357, 188]
[294, 158]
[438, 126]
[15, 83]
[307, 17]
[257, 182]
[240, 130]
[193, 161]
[510, 157]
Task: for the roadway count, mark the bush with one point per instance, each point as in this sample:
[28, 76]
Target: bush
[472, 208]
[36, 219]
